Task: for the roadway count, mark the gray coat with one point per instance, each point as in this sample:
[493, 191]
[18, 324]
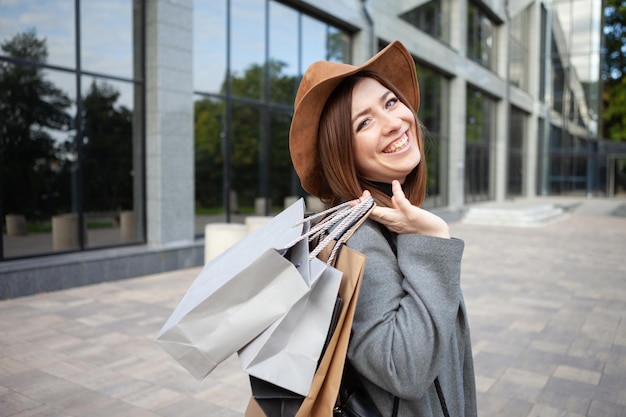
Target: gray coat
[410, 325]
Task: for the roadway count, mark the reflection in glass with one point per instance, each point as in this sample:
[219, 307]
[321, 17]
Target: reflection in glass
[558, 80]
[519, 44]
[245, 157]
[283, 65]
[209, 45]
[433, 17]
[282, 176]
[321, 41]
[209, 159]
[433, 115]
[51, 21]
[111, 54]
[248, 47]
[480, 37]
[251, 127]
[108, 161]
[38, 154]
[479, 135]
[516, 152]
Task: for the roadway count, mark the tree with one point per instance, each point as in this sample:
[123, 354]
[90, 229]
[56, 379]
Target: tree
[107, 150]
[31, 109]
[209, 161]
[614, 70]
[247, 131]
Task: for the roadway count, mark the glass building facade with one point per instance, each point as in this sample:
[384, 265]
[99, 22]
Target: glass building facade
[133, 124]
[71, 124]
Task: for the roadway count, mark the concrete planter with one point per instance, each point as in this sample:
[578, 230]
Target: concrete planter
[314, 204]
[65, 232]
[220, 236]
[127, 226]
[16, 224]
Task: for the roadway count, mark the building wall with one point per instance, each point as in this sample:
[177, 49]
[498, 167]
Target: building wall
[167, 157]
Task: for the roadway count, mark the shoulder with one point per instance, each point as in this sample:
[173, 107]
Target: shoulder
[368, 233]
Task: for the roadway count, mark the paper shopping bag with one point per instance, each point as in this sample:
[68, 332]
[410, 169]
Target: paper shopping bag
[237, 296]
[322, 396]
[275, 401]
[287, 353]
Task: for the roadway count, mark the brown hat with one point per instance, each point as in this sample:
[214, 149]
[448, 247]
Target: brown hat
[320, 79]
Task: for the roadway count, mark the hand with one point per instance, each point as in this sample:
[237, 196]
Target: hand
[403, 217]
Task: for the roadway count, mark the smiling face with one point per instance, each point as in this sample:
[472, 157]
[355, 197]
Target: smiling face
[384, 131]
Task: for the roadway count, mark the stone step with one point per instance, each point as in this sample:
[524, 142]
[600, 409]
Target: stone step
[519, 215]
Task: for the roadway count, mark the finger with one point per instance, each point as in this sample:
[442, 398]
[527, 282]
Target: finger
[379, 214]
[363, 197]
[396, 188]
[399, 199]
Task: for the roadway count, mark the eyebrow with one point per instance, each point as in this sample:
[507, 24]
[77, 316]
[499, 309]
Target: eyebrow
[367, 110]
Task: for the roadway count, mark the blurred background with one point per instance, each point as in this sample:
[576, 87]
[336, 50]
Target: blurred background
[127, 126]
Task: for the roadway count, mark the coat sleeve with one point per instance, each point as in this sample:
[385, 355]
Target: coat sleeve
[406, 311]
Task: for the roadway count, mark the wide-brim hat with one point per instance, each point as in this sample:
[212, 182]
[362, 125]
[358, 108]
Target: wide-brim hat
[394, 62]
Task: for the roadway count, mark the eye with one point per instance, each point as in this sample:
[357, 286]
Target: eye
[391, 102]
[362, 124]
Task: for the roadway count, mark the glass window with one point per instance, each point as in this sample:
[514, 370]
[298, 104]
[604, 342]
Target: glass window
[39, 157]
[283, 63]
[568, 163]
[111, 54]
[519, 42]
[542, 55]
[480, 37]
[321, 41]
[480, 128]
[282, 176]
[433, 17]
[247, 48]
[80, 162]
[433, 114]
[558, 80]
[250, 129]
[246, 163]
[209, 124]
[516, 152]
[209, 46]
[50, 22]
[108, 162]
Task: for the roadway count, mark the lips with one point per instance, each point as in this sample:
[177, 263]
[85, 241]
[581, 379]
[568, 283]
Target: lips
[397, 145]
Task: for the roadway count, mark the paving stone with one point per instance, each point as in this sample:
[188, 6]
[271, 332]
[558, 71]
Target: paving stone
[546, 305]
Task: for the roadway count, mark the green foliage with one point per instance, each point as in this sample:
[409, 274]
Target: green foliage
[614, 115]
[107, 150]
[614, 71]
[258, 138]
[208, 151]
[39, 153]
[31, 109]
[614, 65]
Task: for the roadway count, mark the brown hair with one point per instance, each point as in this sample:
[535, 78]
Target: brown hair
[341, 180]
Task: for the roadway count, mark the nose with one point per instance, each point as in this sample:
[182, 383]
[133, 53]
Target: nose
[390, 123]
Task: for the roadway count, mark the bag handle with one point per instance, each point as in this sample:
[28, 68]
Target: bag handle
[338, 224]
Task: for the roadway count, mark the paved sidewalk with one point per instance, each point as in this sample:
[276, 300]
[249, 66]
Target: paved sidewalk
[547, 308]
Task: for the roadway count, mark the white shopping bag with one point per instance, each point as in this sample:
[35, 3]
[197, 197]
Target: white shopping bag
[287, 353]
[236, 296]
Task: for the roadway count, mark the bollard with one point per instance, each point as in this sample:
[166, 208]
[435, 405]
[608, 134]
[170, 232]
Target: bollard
[254, 222]
[220, 236]
[127, 226]
[16, 225]
[65, 232]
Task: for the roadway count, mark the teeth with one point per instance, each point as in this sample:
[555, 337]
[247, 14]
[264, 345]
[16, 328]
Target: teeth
[397, 145]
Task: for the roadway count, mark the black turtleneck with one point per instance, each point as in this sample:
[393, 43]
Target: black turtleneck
[382, 187]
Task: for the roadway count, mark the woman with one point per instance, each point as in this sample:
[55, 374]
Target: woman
[355, 131]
